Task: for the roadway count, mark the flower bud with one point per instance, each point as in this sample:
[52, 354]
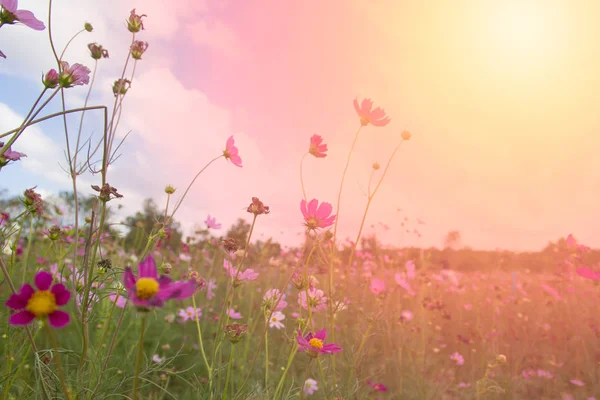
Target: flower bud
[121, 86]
[166, 268]
[50, 80]
[88, 27]
[97, 52]
[169, 189]
[134, 22]
[138, 48]
[376, 166]
[235, 332]
[406, 135]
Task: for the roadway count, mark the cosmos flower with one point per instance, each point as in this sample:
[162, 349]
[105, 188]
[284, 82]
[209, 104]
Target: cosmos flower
[231, 152]
[378, 387]
[150, 290]
[73, 75]
[212, 222]
[314, 344]
[310, 386]
[275, 320]
[10, 15]
[42, 303]
[247, 275]
[317, 216]
[190, 314]
[368, 116]
[317, 148]
[316, 299]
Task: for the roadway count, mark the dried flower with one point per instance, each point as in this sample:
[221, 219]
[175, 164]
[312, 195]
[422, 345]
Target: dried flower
[121, 86]
[97, 51]
[257, 207]
[106, 192]
[138, 48]
[229, 245]
[33, 201]
[134, 22]
[235, 332]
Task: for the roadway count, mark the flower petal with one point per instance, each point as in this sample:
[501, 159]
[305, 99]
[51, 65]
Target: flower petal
[128, 278]
[61, 294]
[10, 5]
[27, 18]
[147, 268]
[21, 318]
[43, 280]
[58, 319]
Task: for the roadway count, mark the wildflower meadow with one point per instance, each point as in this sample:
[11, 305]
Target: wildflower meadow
[94, 306]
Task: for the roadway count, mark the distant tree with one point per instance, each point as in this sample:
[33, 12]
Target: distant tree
[142, 223]
[452, 240]
[239, 232]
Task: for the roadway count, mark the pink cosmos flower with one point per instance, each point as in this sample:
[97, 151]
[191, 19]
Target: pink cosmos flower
[314, 344]
[317, 217]
[316, 299]
[368, 116]
[271, 297]
[150, 290]
[406, 316]
[10, 15]
[212, 222]
[211, 285]
[190, 314]
[588, 273]
[310, 386]
[233, 314]
[41, 303]
[121, 301]
[247, 275]
[4, 217]
[400, 280]
[316, 148]
[410, 269]
[577, 382]
[377, 286]
[231, 152]
[378, 387]
[458, 358]
[73, 75]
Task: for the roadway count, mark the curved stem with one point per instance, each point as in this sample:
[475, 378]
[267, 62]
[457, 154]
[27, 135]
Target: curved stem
[24, 124]
[69, 43]
[138, 359]
[301, 177]
[267, 361]
[22, 129]
[50, 34]
[74, 110]
[191, 183]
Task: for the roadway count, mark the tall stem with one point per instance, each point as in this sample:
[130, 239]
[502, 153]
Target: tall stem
[200, 342]
[267, 361]
[61, 374]
[138, 360]
[231, 359]
[302, 178]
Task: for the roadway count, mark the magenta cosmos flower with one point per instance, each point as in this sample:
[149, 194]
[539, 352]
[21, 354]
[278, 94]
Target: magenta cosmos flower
[588, 273]
[231, 152]
[368, 116]
[150, 290]
[42, 303]
[317, 148]
[317, 217]
[238, 278]
[315, 344]
[378, 387]
[10, 15]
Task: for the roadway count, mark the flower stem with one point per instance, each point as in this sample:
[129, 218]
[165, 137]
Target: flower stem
[191, 183]
[61, 374]
[200, 342]
[325, 388]
[303, 383]
[231, 359]
[301, 177]
[267, 361]
[138, 359]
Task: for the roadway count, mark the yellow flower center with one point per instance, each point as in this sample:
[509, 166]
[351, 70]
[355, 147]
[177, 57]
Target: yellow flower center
[146, 288]
[274, 319]
[41, 303]
[316, 343]
[226, 154]
[364, 120]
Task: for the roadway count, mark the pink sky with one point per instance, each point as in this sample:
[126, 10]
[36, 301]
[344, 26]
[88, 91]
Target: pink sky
[501, 101]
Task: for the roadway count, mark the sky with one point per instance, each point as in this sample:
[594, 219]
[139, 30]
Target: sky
[501, 99]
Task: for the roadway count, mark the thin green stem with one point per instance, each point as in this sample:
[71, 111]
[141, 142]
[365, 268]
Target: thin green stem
[28, 249]
[191, 183]
[61, 374]
[231, 359]
[138, 360]
[200, 341]
[303, 383]
[267, 361]
[323, 380]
